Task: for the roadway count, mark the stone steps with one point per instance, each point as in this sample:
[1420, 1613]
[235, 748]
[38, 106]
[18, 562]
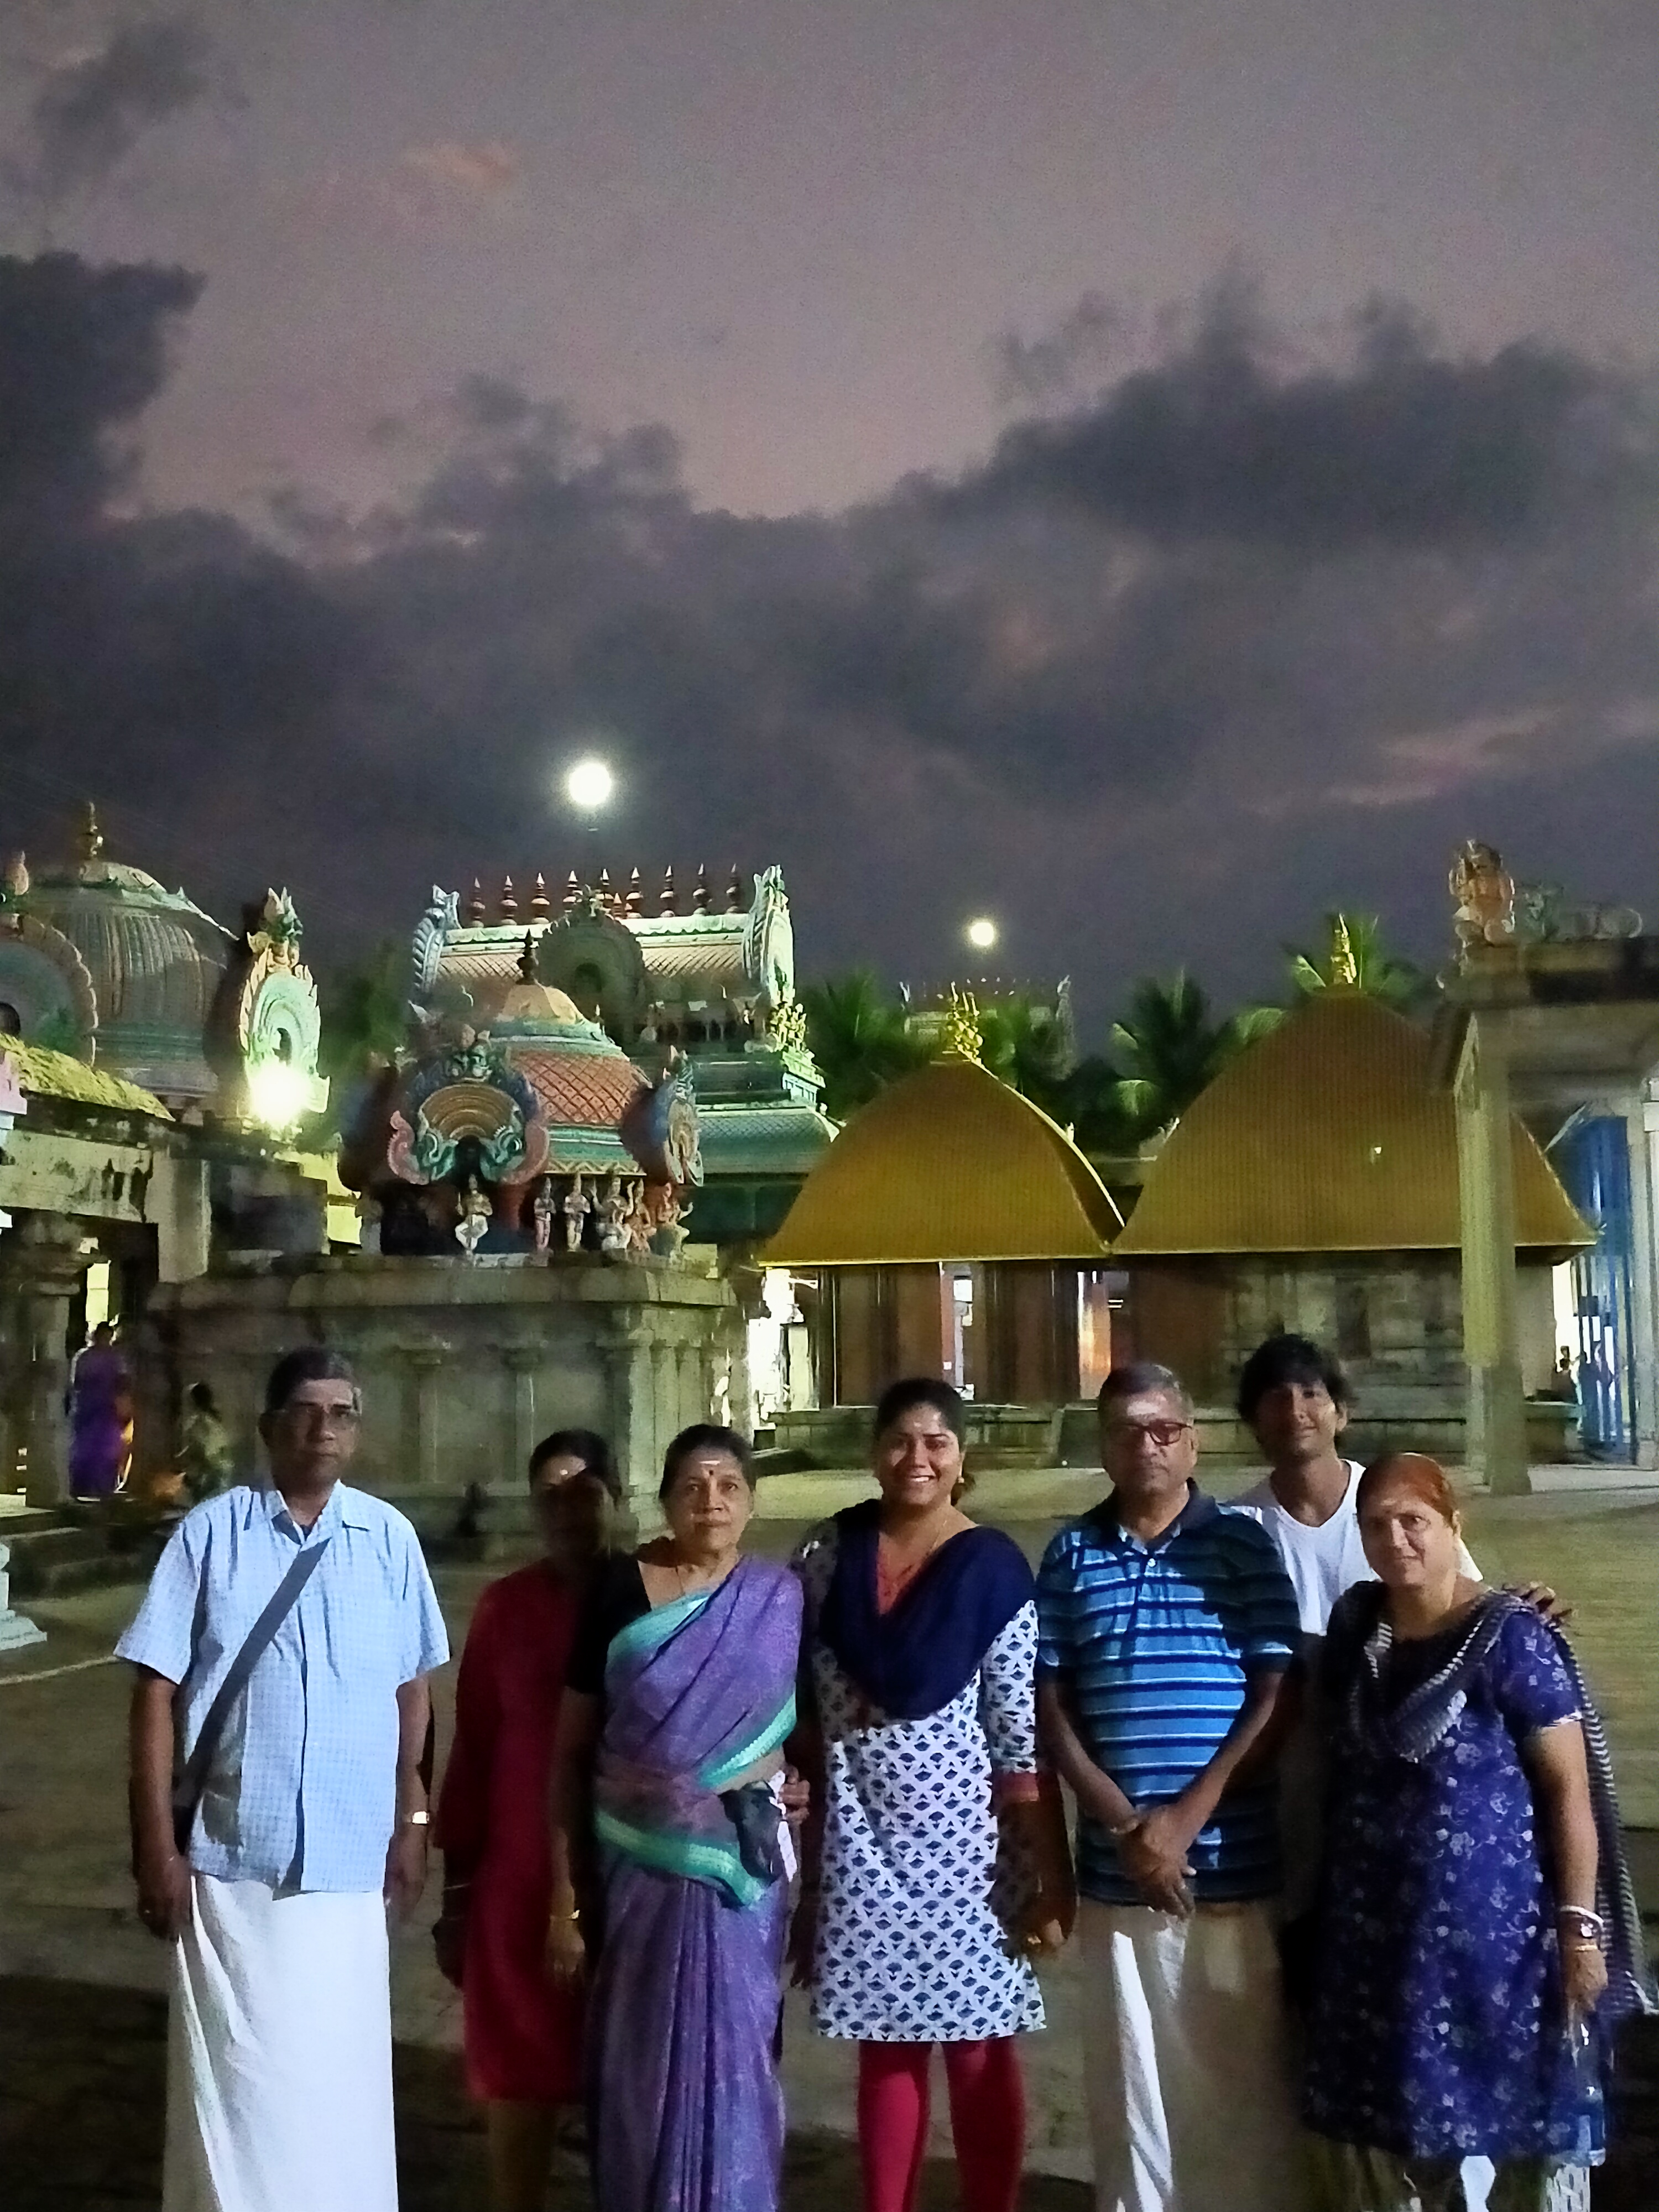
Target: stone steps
[61, 1556]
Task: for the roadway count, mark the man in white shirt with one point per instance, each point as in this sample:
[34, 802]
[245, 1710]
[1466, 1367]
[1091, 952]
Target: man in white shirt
[1293, 1396]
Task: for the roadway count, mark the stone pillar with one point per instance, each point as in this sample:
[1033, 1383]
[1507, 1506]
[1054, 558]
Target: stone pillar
[1497, 1403]
[1642, 1125]
[15, 1631]
[184, 1218]
[521, 1361]
[44, 1267]
[630, 1372]
[425, 1365]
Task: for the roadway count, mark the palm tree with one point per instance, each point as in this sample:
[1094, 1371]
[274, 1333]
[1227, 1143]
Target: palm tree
[859, 1038]
[1029, 1047]
[365, 1012]
[1359, 960]
[1172, 1048]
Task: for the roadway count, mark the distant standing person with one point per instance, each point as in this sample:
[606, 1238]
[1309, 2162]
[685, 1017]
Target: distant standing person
[300, 1816]
[1168, 1628]
[523, 2029]
[206, 1458]
[101, 1416]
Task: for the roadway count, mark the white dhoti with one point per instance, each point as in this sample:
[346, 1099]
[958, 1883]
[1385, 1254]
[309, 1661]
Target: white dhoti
[279, 2054]
[1187, 2068]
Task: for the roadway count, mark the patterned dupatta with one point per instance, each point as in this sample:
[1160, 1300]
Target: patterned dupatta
[696, 1692]
[1413, 1727]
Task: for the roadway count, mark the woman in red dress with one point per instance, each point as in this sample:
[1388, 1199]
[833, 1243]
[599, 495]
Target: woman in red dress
[523, 2033]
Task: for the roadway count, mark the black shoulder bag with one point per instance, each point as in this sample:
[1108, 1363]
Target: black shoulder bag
[192, 1777]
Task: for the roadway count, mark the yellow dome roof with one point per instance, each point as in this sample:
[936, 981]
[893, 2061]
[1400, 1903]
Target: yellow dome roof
[1325, 1135]
[947, 1164]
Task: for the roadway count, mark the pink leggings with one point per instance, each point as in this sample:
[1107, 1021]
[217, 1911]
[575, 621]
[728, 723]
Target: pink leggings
[988, 2121]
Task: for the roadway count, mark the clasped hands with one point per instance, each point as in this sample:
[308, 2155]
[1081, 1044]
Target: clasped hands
[1152, 1850]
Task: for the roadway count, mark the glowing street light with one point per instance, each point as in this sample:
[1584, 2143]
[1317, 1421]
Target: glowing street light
[981, 933]
[588, 785]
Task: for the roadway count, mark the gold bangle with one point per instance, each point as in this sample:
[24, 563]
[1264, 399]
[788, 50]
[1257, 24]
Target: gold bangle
[565, 1919]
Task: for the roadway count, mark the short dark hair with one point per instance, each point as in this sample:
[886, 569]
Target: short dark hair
[704, 1435]
[590, 1448]
[311, 1363]
[903, 1397]
[1288, 1358]
[1137, 1375]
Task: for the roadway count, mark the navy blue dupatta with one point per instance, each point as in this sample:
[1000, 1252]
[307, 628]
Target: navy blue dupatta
[917, 1658]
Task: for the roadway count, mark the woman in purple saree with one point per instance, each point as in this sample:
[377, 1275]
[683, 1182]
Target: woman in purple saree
[672, 1857]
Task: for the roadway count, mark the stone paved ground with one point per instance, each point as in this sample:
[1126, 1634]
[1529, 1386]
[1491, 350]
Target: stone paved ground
[81, 2020]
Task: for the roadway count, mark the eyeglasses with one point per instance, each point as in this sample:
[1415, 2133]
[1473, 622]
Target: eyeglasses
[307, 1416]
[1161, 1433]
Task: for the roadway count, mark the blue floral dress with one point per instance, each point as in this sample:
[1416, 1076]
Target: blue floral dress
[1439, 2028]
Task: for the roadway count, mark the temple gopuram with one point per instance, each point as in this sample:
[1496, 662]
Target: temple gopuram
[154, 1063]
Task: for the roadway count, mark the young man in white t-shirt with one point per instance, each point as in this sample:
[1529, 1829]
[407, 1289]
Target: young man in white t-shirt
[1294, 1399]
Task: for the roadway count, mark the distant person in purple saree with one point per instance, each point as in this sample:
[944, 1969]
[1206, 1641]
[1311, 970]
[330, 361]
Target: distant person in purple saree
[671, 1853]
[101, 1416]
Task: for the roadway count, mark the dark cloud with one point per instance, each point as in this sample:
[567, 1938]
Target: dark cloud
[82, 352]
[1101, 684]
[1398, 445]
[93, 109]
[1077, 352]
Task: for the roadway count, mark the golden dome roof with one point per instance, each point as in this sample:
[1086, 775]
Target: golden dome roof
[1325, 1135]
[947, 1164]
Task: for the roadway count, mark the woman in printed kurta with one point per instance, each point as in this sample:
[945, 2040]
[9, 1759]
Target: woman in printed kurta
[1465, 1942]
[936, 1859]
[669, 1766]
[523, 2033]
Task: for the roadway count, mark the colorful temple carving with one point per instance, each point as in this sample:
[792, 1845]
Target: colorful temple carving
[702, 1000]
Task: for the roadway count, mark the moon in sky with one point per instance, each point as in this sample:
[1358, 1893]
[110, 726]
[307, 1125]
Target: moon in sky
[981, 933]
[588, 785]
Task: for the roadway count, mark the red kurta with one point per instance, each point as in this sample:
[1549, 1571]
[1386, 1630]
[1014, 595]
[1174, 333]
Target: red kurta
[523, 2034]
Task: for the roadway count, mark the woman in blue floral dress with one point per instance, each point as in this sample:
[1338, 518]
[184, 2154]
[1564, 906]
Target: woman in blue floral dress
[1477, 1928]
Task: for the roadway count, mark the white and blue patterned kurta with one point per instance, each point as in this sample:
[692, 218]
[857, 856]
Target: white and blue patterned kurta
[910, 1947]
[301, 1792]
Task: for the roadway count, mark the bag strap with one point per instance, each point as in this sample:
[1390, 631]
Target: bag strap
[187, 1789]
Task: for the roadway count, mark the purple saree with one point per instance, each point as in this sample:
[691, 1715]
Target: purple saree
[682, 2027]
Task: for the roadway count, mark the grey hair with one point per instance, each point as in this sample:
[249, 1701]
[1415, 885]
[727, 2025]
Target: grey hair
[311, 1363]
[1136, 1378]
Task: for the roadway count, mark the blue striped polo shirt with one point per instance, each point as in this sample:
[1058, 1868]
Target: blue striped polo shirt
[1154, 1641]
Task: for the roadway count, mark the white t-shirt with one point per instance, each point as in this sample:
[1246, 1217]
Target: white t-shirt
[1322, 1562]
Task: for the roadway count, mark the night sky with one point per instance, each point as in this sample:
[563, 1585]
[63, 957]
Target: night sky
[1147, 472]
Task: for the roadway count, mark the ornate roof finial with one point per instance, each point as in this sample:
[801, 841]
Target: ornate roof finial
[539, 902]
[572, 889]
[527, 959]
[1345, 967]
[734, 892]
[606, 890]
[475, 905]
[509, 899]
[961, 1037]
[635, 894]
[700, 891]
[91, 840]
[17, 876]
[668, 903]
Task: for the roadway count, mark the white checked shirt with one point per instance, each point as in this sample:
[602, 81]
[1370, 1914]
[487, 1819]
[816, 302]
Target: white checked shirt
[302, 1791]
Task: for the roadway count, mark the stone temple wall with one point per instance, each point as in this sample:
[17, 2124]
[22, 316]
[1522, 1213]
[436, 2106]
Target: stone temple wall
[464, 1365]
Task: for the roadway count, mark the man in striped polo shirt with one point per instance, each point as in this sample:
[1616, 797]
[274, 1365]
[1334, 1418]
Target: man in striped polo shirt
[1167, 1632]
